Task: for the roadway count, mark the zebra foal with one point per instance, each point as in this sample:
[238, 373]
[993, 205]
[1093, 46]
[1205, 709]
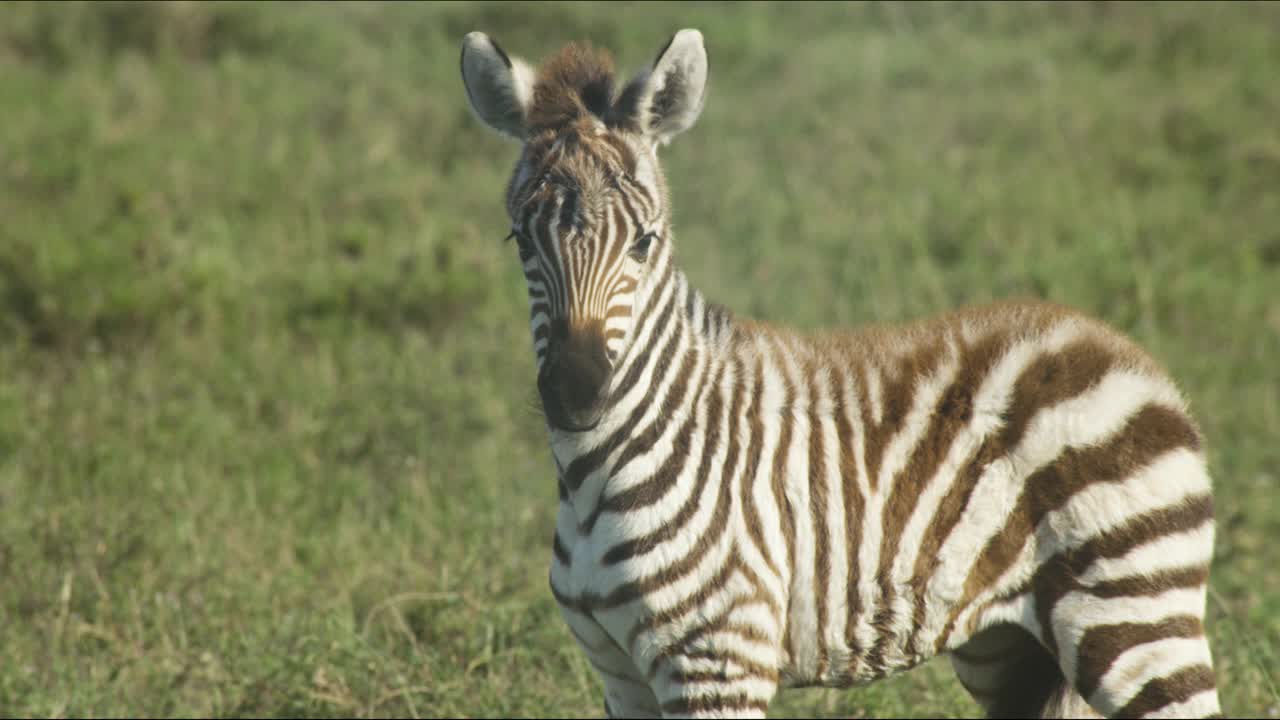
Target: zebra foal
[745, 508]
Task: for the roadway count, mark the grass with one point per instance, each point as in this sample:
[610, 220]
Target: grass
[267, 444]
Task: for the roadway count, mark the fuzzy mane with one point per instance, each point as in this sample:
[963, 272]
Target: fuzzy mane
[574, 82]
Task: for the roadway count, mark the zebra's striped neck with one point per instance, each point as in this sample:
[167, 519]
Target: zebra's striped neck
[679, 335]
[706, 322]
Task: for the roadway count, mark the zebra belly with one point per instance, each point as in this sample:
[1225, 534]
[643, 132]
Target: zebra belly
[891, 622]
[838, 663]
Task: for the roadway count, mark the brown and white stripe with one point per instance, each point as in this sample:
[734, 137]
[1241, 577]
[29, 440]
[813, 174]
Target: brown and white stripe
[744, 507]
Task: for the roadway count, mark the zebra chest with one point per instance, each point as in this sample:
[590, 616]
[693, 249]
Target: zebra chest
[594, 568]
[599, 599]
[586, 575]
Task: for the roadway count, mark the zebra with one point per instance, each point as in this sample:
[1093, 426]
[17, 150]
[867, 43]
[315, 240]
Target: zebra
[745, 508]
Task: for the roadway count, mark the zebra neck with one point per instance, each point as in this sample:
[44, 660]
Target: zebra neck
[682, 337]
[708, 324]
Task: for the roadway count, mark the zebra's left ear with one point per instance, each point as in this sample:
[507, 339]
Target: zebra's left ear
[667, 99]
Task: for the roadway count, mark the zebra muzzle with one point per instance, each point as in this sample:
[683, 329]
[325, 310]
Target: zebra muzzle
[573, 380]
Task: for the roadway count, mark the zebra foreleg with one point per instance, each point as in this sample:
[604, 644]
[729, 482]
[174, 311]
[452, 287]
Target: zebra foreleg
[626, 698]
[626, 694]
[697, 685]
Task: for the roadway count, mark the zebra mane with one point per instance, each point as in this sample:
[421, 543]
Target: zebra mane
[575, 82]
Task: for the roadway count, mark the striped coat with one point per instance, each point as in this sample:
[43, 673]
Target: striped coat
[745, 508]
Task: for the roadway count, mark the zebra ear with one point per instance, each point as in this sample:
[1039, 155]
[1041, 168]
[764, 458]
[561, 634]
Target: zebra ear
[499, 86]
[666, 99]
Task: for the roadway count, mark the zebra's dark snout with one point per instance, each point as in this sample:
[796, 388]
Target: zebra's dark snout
[574, 377]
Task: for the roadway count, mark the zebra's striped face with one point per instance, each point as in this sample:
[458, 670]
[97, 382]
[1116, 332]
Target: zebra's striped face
[588, 220]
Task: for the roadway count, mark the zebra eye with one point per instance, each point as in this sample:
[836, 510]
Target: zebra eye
[640, 250]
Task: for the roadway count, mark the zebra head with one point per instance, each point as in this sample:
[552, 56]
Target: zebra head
[587, 200]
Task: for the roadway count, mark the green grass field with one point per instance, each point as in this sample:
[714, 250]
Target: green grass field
[268, 443]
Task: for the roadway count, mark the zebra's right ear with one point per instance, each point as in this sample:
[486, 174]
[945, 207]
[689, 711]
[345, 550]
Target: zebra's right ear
[499, 86]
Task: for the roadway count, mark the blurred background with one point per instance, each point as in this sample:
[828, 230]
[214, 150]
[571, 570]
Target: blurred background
[267, 436]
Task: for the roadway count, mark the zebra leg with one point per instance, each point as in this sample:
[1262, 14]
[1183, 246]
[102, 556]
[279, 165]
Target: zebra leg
[1148, 669]
[626, 693]
[1010, 674]
[1132, 640]
[706, 684]
[1125, 614]
[698, 696]
[628, 698]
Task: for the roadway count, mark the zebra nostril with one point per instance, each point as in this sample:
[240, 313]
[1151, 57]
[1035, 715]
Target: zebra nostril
[612, 355]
